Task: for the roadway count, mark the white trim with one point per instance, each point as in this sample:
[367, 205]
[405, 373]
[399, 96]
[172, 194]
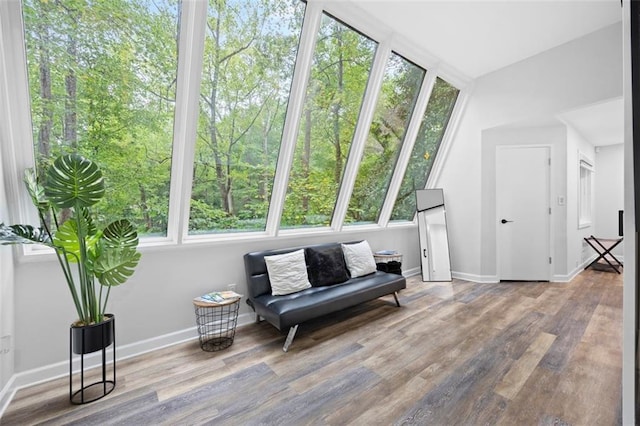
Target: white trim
[359, 141]
[297, 96]
[186, 115]
[481, 279]
[419, 110]
[587, 164]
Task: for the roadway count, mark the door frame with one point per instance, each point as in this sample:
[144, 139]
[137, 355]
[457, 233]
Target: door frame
[550, 191]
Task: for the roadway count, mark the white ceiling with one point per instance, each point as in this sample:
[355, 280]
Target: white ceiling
[601, 124]
[477, 37]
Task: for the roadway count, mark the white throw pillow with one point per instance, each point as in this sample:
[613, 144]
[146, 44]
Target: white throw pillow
[287, 272]
[359, 259]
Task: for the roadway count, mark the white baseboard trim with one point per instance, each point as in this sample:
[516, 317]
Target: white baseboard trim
[6, 395]
[60, 369]
[483, 279]
[411, 272]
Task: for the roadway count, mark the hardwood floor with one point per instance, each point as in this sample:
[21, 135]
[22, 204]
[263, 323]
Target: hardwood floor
[454, 353]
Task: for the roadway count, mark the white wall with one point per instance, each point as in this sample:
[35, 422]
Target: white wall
[629, 299]
[578, 73]
[609, 191]
[6, 298]
[6, 253]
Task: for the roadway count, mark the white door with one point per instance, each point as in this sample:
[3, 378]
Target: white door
[523, 214]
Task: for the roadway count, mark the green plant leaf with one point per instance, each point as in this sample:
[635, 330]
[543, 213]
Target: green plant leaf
[114, 266]
[120, 234]
[74, 181]
[67, 238]
[23, 234]
[36, 191]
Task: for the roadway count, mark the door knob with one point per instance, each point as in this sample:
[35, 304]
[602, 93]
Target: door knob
[505, 221]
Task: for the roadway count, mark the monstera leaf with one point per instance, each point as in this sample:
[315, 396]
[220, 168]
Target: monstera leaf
[74, 181]
[117, 255]
[114, 266]
[23, 234]
[120, 234]
[68, 236]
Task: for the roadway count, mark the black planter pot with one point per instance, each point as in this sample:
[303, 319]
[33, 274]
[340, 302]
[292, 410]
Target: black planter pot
[87, 339]
[91, 338]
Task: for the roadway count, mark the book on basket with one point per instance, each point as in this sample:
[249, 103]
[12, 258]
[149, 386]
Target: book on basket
[219, 297]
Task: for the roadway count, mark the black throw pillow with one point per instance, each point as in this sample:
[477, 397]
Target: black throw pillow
[326, 266]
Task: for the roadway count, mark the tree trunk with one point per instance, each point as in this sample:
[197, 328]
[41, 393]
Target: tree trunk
[145, 208]
[70, 110]
[46, 114]
[306, 156]
[337, 107]
[221, 179]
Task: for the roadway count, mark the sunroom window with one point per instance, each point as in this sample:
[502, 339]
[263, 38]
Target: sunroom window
[434, 123]
[400, 88]
[102, 80]
[341, 65]
[249, 57]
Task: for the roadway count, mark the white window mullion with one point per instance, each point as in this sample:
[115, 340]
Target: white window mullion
[191, 49]
[15, 133]
[304, 61]
[407, 146]
[374, 85]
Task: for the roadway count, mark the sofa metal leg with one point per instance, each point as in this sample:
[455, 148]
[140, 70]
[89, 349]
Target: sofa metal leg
[258, 319]
[290, 336]
[395, 296]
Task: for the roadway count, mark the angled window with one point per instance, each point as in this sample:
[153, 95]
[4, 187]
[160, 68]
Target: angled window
[102, 83]
[249, 57]
[341, 65]
[434, 123]
[400, 88]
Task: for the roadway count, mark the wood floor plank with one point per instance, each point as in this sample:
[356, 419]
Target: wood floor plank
[523, 367]
[454, 353]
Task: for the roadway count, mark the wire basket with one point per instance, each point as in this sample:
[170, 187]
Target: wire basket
[216, 324]
[389, 262]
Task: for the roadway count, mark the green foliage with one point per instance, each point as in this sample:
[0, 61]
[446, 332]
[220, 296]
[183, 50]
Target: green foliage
[102, 80]
[74, 184]
[109, 94]
[430, 134]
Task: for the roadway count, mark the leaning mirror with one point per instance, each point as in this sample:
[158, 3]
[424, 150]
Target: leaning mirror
[434, 244]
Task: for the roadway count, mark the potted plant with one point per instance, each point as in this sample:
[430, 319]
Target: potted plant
[102, 258]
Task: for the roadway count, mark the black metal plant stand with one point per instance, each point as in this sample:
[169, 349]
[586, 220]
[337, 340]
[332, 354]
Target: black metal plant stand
[82, 344]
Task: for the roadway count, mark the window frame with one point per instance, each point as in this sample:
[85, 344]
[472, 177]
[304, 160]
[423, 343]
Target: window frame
[585, 194]
[17, 156]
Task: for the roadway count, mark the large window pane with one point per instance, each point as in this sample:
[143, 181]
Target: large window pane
[434, 123]
[102, 81]
[400, 88]
[341, 64]
[249, 57]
